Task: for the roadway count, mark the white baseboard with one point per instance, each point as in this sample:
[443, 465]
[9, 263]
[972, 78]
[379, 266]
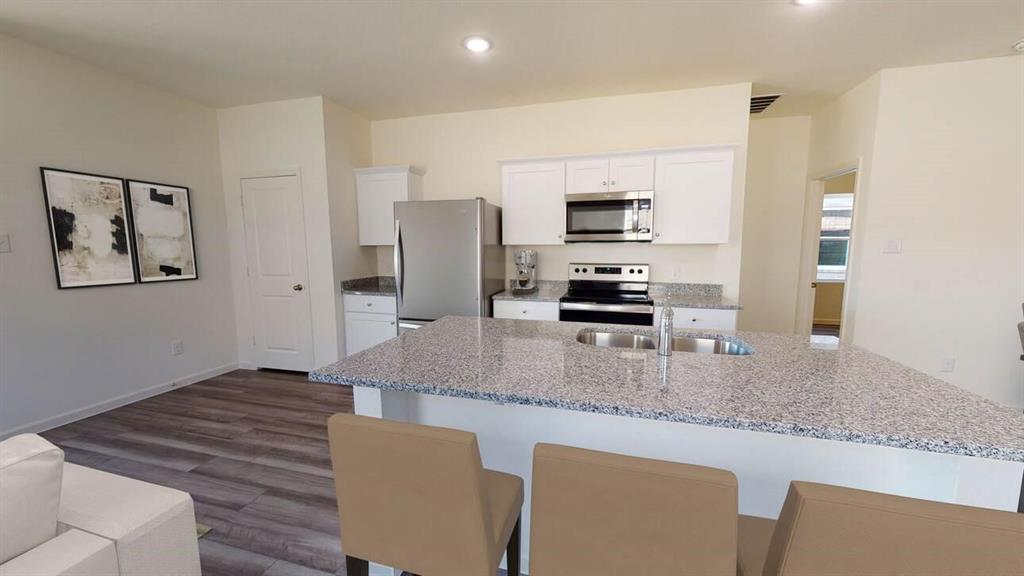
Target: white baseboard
[100, 407]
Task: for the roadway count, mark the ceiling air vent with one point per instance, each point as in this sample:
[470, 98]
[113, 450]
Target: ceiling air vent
[758, 104]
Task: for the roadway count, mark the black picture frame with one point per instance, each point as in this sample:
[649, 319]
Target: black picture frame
[160, 190]
[65, 224]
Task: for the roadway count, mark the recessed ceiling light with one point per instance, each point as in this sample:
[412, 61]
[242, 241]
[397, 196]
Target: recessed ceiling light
[477, 44]
[804, 2]
[1019, 45]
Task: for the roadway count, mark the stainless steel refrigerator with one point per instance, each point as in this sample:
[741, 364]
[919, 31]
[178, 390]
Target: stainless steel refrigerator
[448, 259]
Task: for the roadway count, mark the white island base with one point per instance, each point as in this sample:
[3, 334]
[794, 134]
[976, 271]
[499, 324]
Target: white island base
[764, 463]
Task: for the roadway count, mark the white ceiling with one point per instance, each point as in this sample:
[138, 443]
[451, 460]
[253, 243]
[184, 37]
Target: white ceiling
[400, 58]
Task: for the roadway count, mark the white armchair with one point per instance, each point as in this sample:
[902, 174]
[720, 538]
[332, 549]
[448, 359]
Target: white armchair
[58, 518]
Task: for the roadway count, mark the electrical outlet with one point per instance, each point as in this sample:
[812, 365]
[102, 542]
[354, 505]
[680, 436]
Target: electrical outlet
[948, 365]
[177, 348]
[5, 242]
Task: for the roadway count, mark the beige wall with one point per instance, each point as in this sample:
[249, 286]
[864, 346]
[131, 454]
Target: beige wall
[772, 222]
[347, 147]
[460, 153]
[65, 354]
[948, 181]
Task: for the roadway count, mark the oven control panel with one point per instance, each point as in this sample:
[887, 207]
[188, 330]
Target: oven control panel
[609, 272]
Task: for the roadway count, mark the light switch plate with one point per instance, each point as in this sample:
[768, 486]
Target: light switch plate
[892, 247]
[5, 242]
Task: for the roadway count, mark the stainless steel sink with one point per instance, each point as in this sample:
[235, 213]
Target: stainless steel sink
[679, 343]
[617, 340]
[710, 346]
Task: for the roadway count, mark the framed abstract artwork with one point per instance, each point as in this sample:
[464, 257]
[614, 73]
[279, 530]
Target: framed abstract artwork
[90, 230]
[162, 222]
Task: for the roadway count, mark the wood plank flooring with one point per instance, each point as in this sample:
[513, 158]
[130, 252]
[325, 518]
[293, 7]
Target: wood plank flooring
[251, 448]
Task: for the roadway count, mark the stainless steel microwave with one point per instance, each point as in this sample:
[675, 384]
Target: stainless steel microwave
[609, 217]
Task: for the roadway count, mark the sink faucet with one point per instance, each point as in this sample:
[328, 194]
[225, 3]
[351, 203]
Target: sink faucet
[665, 332]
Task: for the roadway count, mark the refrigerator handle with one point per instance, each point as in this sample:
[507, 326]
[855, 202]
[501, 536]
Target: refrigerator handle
[398, 261]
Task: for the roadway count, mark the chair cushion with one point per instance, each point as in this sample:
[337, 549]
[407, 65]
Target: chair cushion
[823, 529]
[30, 479]
[755, 536]
[601, 513]
[504, 494]
[73, 553]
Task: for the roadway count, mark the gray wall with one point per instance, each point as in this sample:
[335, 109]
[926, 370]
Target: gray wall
[66, 353]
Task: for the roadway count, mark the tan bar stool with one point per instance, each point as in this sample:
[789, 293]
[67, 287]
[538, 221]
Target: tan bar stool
[417, 498]
[827, 529]
[600, 513]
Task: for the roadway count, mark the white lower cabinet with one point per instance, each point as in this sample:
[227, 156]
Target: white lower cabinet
[518, 309]
[369, 320]
[699, 318]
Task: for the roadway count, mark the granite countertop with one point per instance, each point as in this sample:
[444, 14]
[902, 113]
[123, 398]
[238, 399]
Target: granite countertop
[663, 294]
[786, 386]
[371, 286]
[547, 291]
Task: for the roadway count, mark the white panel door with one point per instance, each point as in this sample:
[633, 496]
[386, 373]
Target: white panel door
[631, 173]
[275, 238]
[365, 330]
[693, 197]
[533, 203]
[586, 176]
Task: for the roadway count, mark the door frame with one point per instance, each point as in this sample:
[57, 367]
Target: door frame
[250, 298]
[815, 192]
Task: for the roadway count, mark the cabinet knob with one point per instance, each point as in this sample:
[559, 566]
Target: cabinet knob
[369, 304]
[613, 182]
[693, 319]
[605, 183]
[297, 287]
[524, 311]
[559, 235]
[657, 234]
[392, 322]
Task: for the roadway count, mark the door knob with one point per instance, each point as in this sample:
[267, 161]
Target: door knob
[814, 284]
[297, 287]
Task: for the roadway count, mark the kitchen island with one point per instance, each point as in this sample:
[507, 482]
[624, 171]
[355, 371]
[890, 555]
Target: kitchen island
[788, 411]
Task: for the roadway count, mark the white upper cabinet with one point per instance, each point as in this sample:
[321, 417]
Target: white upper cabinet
[377, 190]
[693, 197]
[533, 203]
[586, 176]
[631, 173]
[627, 173]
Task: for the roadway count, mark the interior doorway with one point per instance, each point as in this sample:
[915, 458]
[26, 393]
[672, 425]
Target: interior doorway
[827, 242]
[275, 241]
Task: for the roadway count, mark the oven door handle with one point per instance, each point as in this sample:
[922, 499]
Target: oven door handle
[599, 307]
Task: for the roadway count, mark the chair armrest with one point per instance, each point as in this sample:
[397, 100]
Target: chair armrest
[153, 527]
[73, 552]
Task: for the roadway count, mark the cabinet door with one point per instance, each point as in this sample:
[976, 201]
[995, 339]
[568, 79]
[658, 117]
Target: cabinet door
[364, 330]
[377, 194]
[533, 203]
[630, 173]
[525, 310]
[586, 176]
[693, 197]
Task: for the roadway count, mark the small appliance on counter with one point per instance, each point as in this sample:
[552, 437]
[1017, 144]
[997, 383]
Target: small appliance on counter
[526, 272]
[608, 293]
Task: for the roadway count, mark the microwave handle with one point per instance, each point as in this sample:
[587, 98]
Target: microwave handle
[636, 216]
